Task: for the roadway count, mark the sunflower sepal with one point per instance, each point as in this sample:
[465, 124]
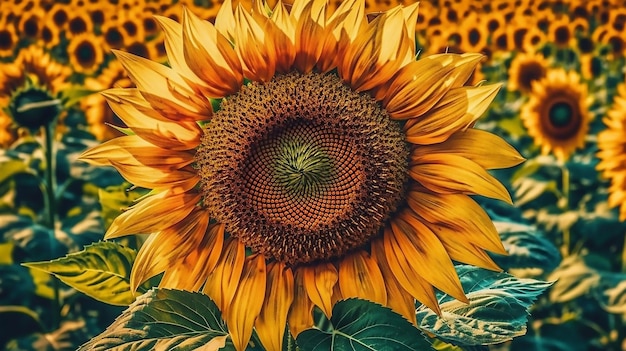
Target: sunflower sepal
[497, 310]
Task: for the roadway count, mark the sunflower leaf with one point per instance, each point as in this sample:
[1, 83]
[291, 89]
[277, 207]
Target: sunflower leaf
[497, 311]
[530, 253]
[362, 325]
[164, 319]
[101, 270]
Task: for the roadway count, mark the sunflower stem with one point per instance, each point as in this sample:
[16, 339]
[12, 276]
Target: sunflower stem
[51, 210]
[624, 255]
[564, 205]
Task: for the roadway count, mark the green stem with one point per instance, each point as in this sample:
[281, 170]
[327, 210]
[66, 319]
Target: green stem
[51, 209]
[565, 206]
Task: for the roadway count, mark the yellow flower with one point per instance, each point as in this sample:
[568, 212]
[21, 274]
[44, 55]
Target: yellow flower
[556, 115]
[33, 64]
[8, 38]
[85, 53]
[611, 145]
[525, 69]
[340, 167]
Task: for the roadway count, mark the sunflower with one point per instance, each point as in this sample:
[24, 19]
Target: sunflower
[556, 115]
[31, 65]
[612, 151]
[85, 53]
[525, 69]
[8, 38]
[305, 156]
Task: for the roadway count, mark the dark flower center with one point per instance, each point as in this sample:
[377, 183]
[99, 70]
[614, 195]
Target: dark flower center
[302, 168]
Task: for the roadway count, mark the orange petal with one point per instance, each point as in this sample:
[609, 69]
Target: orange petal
[247, 301]
[486, 149]
[254, 46]
[450, 174]
[156, 178]
[301, 311]
[309, 30]
[225, 20]
[341, 29]
[401, 266]
[425, 254]
[397, 297]
[210, 56]
[279, 294]
[154, 214]
[222, 283]
[319, 281]
[460, 212]
[359, 276]
[163, 88]
[456, 111]
[194, 268]
[284, 33]
[131, 149]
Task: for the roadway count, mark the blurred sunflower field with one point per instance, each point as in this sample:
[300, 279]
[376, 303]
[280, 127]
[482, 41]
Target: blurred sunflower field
[66, 66]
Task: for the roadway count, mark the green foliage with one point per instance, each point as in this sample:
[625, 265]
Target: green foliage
[165, 319]
[361, 325]
[497, 311]
[101, 271]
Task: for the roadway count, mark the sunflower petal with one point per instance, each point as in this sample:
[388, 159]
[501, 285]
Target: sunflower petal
[155, 178]
[279, 294]
[309, 28]
[245, 307]
[397, 297]
[153, 214]
[456, 111]
[341, 29]
[225, 20]
[423, 250]
[478, 146]
[449, 174]
[359, 276]
[222, 283]
[460, 212]
[319, 281]
[301, 311]
[254, 46]
[284, 32]
[400, 266]
[163, 88]
[210, 56]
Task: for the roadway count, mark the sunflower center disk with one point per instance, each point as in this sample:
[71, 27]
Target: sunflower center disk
[560, 114]
[302, 168]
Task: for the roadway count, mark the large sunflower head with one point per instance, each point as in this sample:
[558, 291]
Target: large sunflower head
[612, 151]
[556, 115]
[305, 156]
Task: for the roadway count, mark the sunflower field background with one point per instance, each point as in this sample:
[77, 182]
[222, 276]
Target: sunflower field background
[562, 105]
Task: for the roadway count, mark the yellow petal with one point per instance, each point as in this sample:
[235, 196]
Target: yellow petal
[222, 283]
[397, 297]
[319, 281]
[486, 149]
[450, 174]
[464, 65]
[225, 20]
[153, 214]
[191, 272]
[254, 47]
[279, 294]
[341, 29]
[415, 89]
[309, 30]
[410, 21]
[156, 178]
[151, 126]
[460, 212]
[456, 111]
[131, 149]
[359, 276]
[210, 56]
[460, 249]
[284, 32]
[247, 301]
[163, 88]
[165, 249]
[301, 311]
[401, 266]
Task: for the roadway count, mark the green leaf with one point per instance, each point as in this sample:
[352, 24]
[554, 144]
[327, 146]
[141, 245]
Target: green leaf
[74, 94]
[573, 278]
[362, 325]
[530, 253]
[164, 319]
[497, 311]
[101, 270]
